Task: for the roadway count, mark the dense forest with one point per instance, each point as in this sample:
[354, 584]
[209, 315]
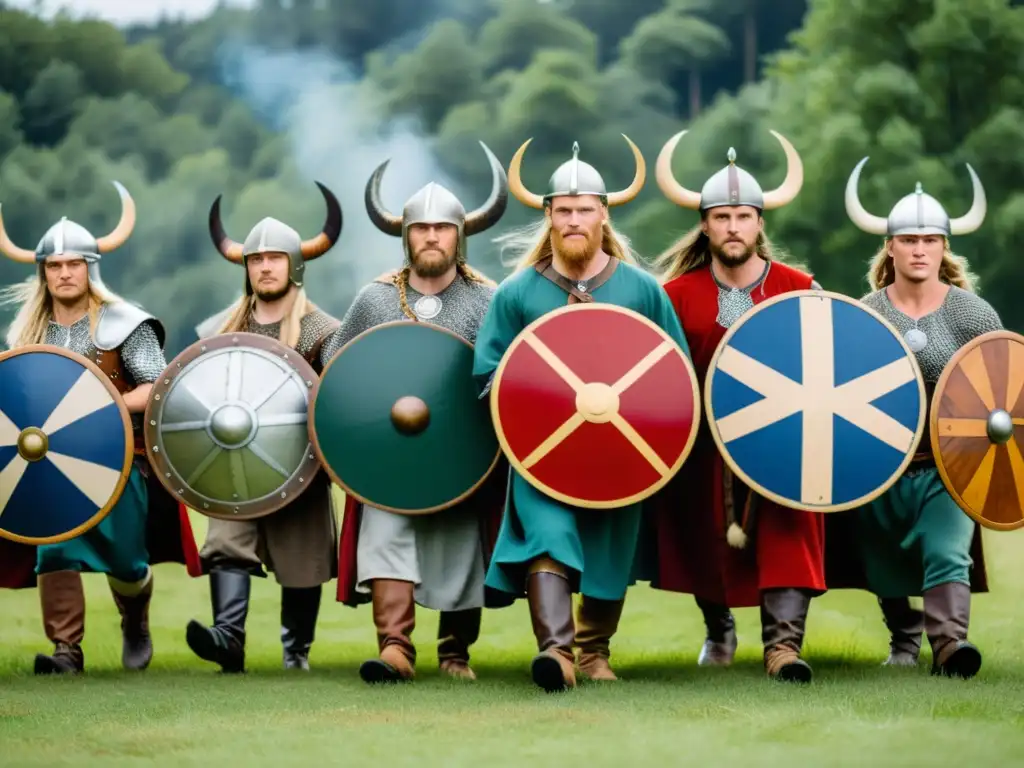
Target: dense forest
[257, 104]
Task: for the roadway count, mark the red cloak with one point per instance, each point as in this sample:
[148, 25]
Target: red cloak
[785, 547]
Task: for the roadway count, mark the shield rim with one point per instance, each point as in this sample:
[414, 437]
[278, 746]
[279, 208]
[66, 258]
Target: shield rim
[566, 498]
[336, 479]
[757, 487]
[252, 510]
[129, 445]
[933, 424]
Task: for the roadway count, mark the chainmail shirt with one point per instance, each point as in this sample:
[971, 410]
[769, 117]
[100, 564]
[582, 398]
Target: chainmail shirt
[733, 303]
[141, 355]
[463, 305]
[962, 317]
[311, 328]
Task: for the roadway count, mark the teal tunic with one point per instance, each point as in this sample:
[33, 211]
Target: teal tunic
[599, 547]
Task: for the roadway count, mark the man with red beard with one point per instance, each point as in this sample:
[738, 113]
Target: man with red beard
[547, 549]
[715, 274]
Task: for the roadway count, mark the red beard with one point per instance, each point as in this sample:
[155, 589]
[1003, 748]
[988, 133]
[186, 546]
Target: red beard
[576, 252]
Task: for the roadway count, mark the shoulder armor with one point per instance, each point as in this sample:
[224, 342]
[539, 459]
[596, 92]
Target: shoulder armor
[117, 321]
[211, 325]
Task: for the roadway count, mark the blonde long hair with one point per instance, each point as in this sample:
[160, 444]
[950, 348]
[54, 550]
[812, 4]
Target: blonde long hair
[953, 270]
[291, 324]
[531, 244]
[693, 251]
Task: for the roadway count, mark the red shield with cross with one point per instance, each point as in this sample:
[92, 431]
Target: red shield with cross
[595, 405]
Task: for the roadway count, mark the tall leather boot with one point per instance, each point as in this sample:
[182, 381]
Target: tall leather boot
[719, 647]
[300, 608]
[550, 599]
[394, 615]
[224, 642]
[906, 625]
[132, 601]
[63, 606]
[947, 612]
[783, 620]
[456, 631]
[596, 622]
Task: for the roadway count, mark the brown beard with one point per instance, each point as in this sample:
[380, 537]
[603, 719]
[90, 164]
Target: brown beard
[270, 296]
[575, 254]
[729, 260]
[424, 268]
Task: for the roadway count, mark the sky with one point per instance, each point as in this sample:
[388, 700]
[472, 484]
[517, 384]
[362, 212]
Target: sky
[126, 11]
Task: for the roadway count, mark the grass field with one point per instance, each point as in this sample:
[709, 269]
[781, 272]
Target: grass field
[664, 709]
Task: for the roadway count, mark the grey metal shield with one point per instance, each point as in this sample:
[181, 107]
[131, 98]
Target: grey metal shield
[226, 426]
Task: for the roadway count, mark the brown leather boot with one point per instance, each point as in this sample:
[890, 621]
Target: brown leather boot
[947, 612]
[719, 647]
[63, 606]
[133, 603]
[906, 625]
[783, 619]
[456, 631]
[596, 622]
[550, 601]
[394, 614]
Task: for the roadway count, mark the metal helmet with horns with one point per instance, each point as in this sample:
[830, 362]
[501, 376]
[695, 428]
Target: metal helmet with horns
[433, 204]
[731, 185]
[272, 235]
[574, 178]
[917, 213]
[68, 240]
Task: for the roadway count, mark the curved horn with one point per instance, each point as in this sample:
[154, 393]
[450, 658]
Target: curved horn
[488, 214]
[319, 245]
[790, 186]
[515, 183]
[386, 221]
[630, 192]
[874, 225]
[971, 220]
[124, 227]
[228, 248]
[672, 189]
[12, 251]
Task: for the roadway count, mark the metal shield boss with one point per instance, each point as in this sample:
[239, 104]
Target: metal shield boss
[595, 405]
[66, 445]
[226, 426]
[398, 421]
[815, 401]
[975, 414]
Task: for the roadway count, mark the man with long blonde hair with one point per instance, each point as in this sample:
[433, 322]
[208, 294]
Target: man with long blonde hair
[67, 305]
[547, 548]
[914, 540]
[297, 543]
[718, 540]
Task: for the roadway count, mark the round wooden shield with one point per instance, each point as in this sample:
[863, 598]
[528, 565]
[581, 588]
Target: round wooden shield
[398, 421]
[976, 411]
[226, 426]
[595, 405]
[66, 445]
[815, 401]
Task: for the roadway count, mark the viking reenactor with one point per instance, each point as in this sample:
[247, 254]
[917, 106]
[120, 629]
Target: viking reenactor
[391, 555]
[550, 545]
[717, 539]
[915, 540]
[297, 543]
[66, 305]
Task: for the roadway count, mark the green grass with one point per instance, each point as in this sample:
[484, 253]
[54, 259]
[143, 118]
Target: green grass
[181, 712]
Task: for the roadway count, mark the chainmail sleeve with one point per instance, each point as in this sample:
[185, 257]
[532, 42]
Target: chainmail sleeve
[142, 357]
[970, 315]
[364, 313]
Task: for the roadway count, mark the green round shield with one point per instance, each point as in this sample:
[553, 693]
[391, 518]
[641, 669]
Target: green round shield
[398, 423]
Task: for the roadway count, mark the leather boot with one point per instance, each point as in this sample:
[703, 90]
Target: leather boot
[783, 620]
[299, 611]
[132, 601]
[906, 625]
[456, 631]
[719, 647]
[550, 599]
[596, 622]
[63, 606]
[224, 642]
[394, 614]
[947, 612]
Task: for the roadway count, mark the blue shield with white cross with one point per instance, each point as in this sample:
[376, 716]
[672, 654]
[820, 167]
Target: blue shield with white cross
[815, 401]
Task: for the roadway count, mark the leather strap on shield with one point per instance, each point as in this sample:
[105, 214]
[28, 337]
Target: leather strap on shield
[547, 269]
[113, 368]
[313, 355]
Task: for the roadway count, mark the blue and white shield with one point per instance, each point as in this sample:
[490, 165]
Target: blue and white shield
[815, 401]
[66, 445]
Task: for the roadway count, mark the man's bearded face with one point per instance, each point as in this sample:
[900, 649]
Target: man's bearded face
[433, 248]
[577, 225]
[732, 232]
[268, 274]
[67, 278]
[917, 258]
